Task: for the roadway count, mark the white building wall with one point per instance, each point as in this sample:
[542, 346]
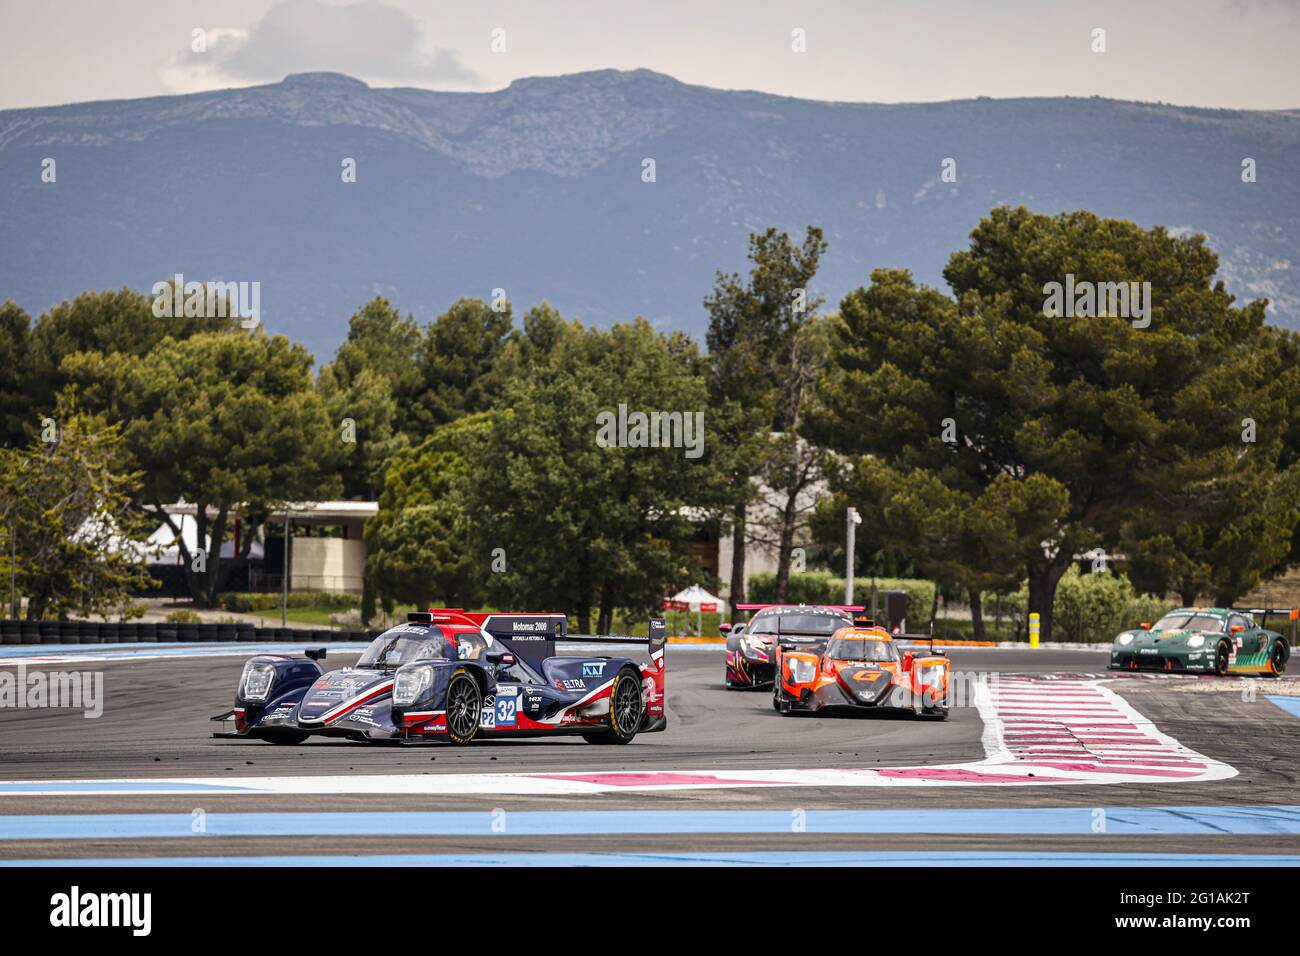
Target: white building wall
[327, 564]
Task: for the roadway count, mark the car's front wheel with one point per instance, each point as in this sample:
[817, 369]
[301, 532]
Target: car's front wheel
[464, 705]
[1222, 655]
[1277, 657]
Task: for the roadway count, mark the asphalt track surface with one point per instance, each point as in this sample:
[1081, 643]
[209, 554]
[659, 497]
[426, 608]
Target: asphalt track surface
[155, 724]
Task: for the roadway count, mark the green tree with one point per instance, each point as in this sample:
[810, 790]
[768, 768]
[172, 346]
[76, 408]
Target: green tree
[79, 543]
[457, 359]
[17, 414]
[1068, 425]
[418, 546]
[583, 526]
[113, 322]
[368, 390]
[761, 368]
[228, 422]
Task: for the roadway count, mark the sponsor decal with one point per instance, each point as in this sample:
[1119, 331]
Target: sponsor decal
[593, 669]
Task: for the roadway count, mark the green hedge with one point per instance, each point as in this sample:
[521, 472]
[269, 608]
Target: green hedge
[1090, 608]
[246, 603]
[822, 587]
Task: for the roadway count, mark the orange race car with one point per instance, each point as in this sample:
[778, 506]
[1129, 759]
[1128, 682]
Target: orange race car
[861, 668]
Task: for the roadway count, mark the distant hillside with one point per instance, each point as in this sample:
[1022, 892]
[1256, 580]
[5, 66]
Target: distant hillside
[537, 189]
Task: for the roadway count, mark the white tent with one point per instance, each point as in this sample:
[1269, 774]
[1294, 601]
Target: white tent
[694, 598]
[166, 551]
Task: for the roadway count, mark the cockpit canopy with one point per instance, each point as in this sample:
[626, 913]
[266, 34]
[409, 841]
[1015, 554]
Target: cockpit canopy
[406, 643]
[1191, 621]
[855, 646]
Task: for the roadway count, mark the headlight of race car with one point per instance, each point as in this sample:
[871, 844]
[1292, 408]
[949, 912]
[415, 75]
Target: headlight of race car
[753, 648]
[1196, 640]
[411, 681]
[932, 676]
[801, 671]
[1124, 640]
[255, 684]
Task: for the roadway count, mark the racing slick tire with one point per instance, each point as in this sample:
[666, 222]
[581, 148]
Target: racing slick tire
[1277, 657]
[286, 739]
[779, 703]
[1222, 654]
[626, 710]
[464, 705]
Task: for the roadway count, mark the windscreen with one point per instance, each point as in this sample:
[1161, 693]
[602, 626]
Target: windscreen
[861, 649]
[1190, 622]
[404, 644]
[798, 623]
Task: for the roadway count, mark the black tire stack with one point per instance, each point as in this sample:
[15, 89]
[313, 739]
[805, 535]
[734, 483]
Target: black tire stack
[170, 632]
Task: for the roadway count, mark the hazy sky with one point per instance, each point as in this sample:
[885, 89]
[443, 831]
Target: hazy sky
[1230, 53]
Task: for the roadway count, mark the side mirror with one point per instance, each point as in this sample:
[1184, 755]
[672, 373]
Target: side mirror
[724, 628]
[316, 653]
[506, 660]
[1145, 626]
[907, 660]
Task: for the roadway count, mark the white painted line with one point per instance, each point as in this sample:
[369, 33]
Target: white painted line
[1073, 751]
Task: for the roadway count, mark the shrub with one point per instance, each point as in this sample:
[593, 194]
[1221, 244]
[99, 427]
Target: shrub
[1088, 608]
[182, 617]
[813, 587]
[246, 603]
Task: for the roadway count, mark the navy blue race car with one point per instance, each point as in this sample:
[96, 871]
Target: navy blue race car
[456, 676]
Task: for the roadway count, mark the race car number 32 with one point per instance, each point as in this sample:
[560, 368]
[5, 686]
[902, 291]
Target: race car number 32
[504, 713]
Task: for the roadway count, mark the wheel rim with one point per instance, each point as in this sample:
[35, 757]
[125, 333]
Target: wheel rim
[1221, 660]
[627, 706]
[1279, 659]
[462, 709]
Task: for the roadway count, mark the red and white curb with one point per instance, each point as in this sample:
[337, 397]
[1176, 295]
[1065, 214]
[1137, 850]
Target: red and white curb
[1039, 730]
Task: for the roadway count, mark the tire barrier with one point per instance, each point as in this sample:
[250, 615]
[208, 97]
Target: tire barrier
[169, 632]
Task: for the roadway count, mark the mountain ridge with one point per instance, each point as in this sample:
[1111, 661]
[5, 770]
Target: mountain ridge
[536, 188]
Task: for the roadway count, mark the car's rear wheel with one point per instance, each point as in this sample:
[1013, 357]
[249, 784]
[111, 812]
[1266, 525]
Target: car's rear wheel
[1277, 657]
[464, 704]
[626, 710]
[1222, 654]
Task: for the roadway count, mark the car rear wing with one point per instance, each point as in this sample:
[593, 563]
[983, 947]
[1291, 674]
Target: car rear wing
[1261, 614]
[655, 641]
[532, 636]
[848, 608]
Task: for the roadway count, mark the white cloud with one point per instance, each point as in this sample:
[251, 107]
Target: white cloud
[369, 40]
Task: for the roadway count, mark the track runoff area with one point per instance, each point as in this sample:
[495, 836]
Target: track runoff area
[1047, 761]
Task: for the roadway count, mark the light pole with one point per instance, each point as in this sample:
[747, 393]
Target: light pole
[853, 519]
[284, 582]
[13, 573]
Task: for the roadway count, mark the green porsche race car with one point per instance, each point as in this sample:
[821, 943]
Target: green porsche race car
[1205, 640]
